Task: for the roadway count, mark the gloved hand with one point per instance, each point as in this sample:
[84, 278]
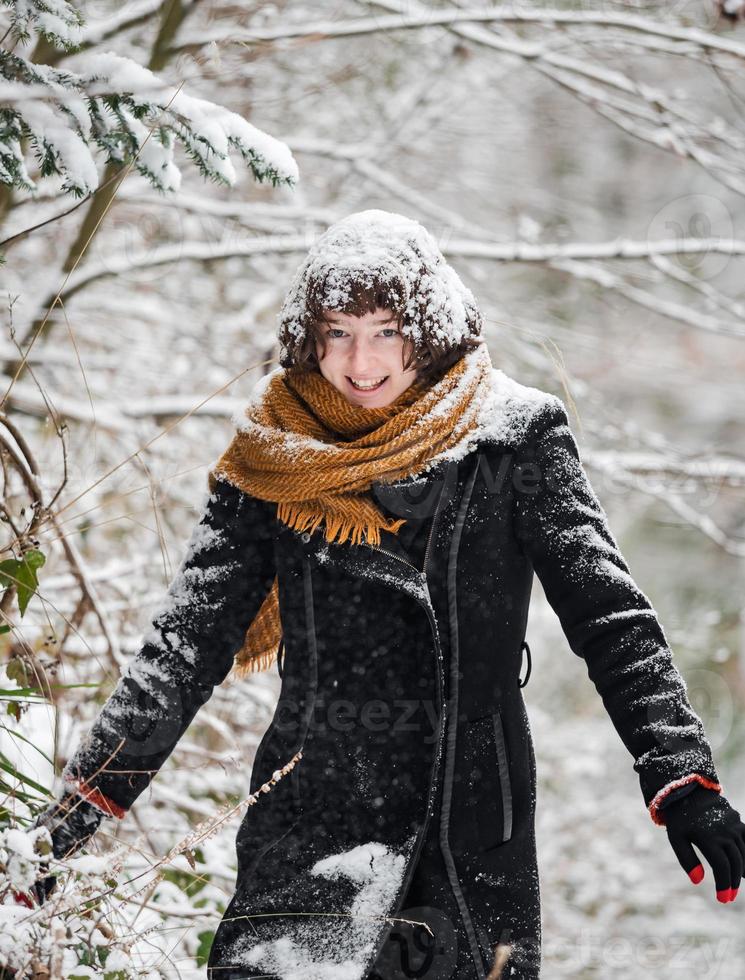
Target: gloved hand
[704, 817]
[71, 821]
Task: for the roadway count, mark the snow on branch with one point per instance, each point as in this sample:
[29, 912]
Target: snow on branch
[689, 515]
[412, 16]
[26, 399]
[110, 103]
[670, 309]
[57, 21]
[570, 257]
[668, 124]
[715, 469]
[118, 20]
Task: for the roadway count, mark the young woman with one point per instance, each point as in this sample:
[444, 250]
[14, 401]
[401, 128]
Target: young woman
[374, 526]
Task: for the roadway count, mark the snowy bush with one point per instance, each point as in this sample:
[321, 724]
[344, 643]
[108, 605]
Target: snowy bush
[70, 935]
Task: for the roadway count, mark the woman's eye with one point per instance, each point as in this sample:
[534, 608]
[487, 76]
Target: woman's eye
[332, 331]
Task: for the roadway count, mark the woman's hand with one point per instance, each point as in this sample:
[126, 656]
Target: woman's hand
[71, 822]
[706, 819]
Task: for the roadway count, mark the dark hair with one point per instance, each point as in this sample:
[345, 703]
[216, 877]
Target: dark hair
[432, 360]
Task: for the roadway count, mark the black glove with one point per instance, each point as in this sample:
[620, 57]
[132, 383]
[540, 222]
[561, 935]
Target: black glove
[704, 817]
[71, 822]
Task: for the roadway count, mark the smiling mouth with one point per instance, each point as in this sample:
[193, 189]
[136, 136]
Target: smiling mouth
[367, 387]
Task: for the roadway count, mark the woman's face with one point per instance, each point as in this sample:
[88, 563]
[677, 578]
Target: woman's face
[365, 349]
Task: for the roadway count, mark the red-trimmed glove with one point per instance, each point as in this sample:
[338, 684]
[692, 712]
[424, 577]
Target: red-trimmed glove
[704, 817]
[71, 822]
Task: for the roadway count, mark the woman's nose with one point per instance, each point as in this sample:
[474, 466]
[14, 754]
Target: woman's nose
[359, 357]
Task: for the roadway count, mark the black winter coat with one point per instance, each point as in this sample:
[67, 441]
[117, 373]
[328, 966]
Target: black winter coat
[401, 672]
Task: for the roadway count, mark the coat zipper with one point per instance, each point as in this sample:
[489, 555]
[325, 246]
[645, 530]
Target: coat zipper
[452, 731]
[393, 554]
[431, 535]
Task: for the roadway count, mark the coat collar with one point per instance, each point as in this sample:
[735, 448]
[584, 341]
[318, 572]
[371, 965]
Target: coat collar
[436, 494]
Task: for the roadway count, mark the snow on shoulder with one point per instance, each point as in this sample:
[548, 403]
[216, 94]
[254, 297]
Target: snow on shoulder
[504, 414]
[510, 409]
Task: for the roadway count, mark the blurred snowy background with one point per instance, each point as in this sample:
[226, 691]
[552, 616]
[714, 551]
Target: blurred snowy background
[581, 165]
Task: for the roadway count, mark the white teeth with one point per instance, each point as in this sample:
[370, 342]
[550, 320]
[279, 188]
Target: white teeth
[368, 384]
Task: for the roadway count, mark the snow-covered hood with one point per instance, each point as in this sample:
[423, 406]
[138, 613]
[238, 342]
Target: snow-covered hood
[386, 247]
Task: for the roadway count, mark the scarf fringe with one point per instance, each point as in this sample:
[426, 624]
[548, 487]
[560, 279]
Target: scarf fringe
[252, 664]
[301, 518]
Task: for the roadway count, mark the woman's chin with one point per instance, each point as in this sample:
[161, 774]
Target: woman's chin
[368, 403]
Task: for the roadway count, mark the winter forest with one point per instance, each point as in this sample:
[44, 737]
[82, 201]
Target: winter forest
[164, 167]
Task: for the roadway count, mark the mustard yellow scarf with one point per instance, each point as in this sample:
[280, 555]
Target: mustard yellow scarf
[303, 445]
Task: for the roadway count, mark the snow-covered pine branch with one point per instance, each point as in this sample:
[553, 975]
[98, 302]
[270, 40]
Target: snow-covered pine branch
[57, 21]
[109, 102]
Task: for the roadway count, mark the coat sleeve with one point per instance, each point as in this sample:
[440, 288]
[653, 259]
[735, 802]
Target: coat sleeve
[227, 571]
[606, 618]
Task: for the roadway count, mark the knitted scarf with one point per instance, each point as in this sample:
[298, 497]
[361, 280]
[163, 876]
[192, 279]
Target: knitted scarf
[303, 445]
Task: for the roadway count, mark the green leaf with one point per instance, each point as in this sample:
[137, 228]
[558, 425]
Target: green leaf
[15, 692]
[16, 671]
[18, 794]
[23, 573]
[5, 629]
[28, 576]
[205, 945]
[84, 955]
[13, 708]
[189, 882]
[8, 571]
[34, 558]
